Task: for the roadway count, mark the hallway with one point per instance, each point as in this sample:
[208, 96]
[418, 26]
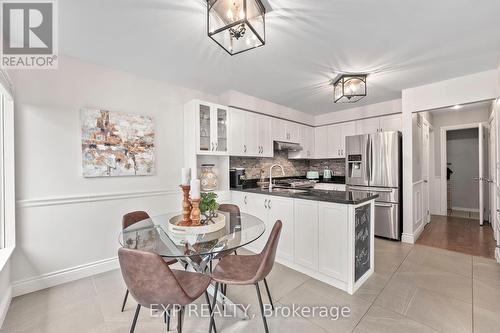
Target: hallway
[459, 234]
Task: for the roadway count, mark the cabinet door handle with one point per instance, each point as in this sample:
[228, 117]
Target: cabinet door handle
[244, 148]
[269, 204]
[265, 203]
[216, 146]
[245, 200]
[212, 146]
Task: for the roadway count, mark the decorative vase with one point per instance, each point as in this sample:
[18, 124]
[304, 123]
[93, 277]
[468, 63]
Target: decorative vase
[208, 178]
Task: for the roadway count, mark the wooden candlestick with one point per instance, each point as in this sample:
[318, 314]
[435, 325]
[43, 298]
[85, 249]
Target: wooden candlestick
[186, 206]
[195, 212]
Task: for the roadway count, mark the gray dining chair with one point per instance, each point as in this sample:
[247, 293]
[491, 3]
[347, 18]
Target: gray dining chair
[247, 270]
[131, 219]
[152, 282]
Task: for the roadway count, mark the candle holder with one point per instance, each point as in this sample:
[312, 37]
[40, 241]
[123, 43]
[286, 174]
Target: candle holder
[186, 206]
[195, 212]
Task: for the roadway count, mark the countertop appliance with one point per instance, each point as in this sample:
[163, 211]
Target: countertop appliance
[312, 175]
[237, 177]
[327, 174]
[374, 164]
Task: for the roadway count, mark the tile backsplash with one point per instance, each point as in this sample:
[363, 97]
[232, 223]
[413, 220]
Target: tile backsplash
[293, 168]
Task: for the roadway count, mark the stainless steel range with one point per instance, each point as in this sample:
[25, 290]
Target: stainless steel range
[373, 164]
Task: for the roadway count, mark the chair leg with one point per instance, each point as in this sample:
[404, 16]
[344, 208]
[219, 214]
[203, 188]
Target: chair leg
[269, 294]
[125, 300]
[212, 320]
[166, 318]
[261, 307]
[132, 329]
[211, 270]
[180, 319]
[210, 309]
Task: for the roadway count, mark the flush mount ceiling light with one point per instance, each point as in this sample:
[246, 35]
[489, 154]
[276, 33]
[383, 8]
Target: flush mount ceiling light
[236, 25]
[349, 88]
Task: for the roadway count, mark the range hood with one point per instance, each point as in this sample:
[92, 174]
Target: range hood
[288, 146]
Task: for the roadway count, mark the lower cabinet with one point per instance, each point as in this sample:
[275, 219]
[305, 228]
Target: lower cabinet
[270, 209]
[333, 240]
[306, 233]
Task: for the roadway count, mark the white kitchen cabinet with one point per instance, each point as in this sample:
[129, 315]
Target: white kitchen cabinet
[249, 134]
[266, 148]
[269, 209]
[347, 129]
[306, 134]
[334, 140]
[285, 131]
[282, 209]
[367, 126]
[391, 123]
[306, 233]
[211, 127]
[332, 241]
[321, 142]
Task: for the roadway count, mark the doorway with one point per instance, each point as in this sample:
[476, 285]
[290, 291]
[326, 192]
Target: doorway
[452, 159]
[462, 173]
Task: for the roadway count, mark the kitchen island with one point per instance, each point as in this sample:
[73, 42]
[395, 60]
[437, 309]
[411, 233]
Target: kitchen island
[328, 235]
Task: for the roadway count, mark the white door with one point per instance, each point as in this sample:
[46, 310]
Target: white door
[293, 132]
[256, 204]
[483, 173]
[332, 239]
[306, 233]
[367, 126]
[282, 209]
[321, 142]
[391, 123]
[252, 134]
[265, 141]
[334, 137]
[236, 133]
[425, 173]
[348, 129]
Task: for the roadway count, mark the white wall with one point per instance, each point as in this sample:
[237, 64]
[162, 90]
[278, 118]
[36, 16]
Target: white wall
[462, 151]
[67, 225]
[237, 99]
[367, 111]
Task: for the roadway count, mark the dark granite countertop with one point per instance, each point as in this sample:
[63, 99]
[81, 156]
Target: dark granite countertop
[347, 197]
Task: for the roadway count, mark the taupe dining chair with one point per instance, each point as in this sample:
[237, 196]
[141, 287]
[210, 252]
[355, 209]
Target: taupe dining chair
[152, 283]
[128, 220]
[248, 269]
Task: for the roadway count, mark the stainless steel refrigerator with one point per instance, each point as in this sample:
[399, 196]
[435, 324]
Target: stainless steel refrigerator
[373, 164]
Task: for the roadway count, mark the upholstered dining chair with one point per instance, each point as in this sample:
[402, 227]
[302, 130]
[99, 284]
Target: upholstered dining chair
[247, 270]
[152, 282]
[128, 220]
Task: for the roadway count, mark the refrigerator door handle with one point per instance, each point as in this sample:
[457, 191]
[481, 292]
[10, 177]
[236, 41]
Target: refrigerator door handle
[368, 164]
[370, 159]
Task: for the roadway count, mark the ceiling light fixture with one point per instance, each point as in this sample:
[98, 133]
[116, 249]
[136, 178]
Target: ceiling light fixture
[236, 25]
[349, 88]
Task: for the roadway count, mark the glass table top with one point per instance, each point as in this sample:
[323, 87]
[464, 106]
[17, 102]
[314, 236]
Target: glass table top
[153, 235]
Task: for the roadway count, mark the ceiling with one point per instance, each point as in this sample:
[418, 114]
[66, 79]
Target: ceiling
[401, 44]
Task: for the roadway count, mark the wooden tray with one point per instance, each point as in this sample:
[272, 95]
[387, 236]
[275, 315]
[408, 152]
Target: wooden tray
[215, 224]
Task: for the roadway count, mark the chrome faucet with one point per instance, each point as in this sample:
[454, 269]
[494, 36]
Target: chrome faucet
[271, 175]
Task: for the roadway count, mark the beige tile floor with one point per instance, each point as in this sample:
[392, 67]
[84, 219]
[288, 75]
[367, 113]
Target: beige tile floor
[414, 289]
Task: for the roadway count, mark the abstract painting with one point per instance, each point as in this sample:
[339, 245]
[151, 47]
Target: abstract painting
[117, 144]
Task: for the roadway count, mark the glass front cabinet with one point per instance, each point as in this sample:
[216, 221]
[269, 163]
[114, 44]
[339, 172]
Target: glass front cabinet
[211, 129]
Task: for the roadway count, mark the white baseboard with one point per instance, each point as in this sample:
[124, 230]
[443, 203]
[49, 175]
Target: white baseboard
[408, 238]
[4, 305]
[463, 209]
[63, 276]
[497, 254]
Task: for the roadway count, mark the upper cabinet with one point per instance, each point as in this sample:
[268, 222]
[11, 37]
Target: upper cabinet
[285, 131]
[321, 142]
[306, 140]
[211, 127]
[379, 124]
[391, 123]
[249, 134]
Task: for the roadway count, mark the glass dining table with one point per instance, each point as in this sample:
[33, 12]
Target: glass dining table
[195, 251]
